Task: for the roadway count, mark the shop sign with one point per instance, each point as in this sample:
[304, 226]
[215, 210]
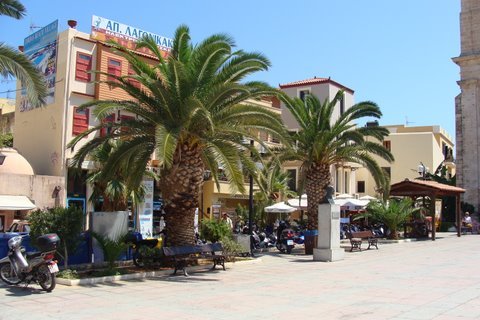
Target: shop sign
[104, 29]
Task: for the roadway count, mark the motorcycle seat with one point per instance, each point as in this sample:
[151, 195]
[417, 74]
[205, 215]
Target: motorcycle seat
[34, 254]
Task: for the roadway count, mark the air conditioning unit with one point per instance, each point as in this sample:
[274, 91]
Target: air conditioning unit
[356, 195]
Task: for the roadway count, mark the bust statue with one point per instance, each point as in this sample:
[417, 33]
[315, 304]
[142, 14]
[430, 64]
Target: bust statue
[329, 192]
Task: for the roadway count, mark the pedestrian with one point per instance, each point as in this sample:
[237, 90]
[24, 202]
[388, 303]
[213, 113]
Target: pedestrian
[227, 220]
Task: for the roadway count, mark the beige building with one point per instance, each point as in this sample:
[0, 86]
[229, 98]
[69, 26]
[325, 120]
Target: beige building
[7, 115]
[467, 104]
[41, 134]
[411, 147]
[343, 175]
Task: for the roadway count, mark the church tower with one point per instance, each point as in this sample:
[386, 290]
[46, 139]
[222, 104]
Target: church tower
[467, 104]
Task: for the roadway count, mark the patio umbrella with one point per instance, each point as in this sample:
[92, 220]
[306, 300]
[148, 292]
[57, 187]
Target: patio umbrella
[280, 207]
[297, 203]
[344, 196]
[367, 197]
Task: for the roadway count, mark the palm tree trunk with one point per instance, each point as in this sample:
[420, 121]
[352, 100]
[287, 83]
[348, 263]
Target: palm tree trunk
[180, 191]
[318, 178]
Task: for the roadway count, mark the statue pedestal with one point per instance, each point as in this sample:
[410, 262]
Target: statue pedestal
[328, 245]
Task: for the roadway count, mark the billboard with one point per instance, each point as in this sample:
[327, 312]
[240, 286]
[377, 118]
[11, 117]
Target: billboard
[104, 29]
[41, 48]
[145, 211]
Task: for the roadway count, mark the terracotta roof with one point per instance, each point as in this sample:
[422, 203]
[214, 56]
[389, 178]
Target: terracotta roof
[423, 187]
[314, 80]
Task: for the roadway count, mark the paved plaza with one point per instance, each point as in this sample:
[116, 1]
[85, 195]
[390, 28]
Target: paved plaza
[411, 280]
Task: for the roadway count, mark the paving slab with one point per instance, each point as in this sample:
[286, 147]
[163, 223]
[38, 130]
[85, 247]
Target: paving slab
[411, 280]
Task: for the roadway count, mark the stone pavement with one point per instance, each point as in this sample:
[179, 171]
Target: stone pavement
[411, 280]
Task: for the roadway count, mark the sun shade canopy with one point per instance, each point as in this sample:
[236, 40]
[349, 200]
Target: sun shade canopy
[15, 203]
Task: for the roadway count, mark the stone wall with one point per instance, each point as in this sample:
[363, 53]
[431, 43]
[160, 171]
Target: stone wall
[42, 190]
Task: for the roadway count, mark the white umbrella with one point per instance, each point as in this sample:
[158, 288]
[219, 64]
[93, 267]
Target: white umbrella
[355, 204]
[298, 203]
[367, 197]
[344, 196]
[280, 207]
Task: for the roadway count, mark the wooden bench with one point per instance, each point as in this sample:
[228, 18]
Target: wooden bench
[182, 255]
[357, 237]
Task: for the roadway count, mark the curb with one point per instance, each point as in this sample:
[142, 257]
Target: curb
[140, 275]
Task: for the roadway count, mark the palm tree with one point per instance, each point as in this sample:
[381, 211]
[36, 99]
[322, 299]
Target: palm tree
[12, 8]
[16, 64]
[192, 112]
[273, 186]
[114, 190]
[323, 141]
[392, 213]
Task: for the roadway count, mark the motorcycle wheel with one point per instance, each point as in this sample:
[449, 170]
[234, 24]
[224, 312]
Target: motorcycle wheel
[280, 248]
[8, 275]
[289, 249]
[45, 278]
[137, 260]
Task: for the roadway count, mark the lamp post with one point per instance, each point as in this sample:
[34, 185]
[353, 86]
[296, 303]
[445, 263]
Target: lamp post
[206, 176]
[250, 205]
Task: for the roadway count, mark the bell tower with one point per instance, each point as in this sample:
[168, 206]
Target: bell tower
[467, 103]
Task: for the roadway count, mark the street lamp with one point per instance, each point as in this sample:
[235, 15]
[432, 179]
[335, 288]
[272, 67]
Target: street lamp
[250, 204]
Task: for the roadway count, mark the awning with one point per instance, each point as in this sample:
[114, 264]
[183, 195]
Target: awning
[15, 203]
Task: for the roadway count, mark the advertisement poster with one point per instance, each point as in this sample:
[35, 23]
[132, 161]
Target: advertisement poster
[145, 211]
[41, 48]
[104, 29]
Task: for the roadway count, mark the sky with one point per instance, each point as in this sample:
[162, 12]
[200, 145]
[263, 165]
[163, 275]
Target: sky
[396, 53]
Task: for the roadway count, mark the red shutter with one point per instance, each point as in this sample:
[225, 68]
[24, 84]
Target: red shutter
[132, 81]
[114, 68]
[80, 120]
[105, 131]
[83, 65]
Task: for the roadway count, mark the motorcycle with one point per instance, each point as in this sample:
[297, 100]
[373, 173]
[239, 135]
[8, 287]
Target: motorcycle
[20, 266]
[143, 250]
[285, 241]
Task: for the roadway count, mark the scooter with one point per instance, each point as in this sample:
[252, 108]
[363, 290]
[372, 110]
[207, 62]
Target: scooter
[285, 241]
[20, 266]
[143, 249]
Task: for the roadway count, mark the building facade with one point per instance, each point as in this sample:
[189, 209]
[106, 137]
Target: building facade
[7, 116]
[430, 146]
[467, 104]
[42, 134]
[343, 175]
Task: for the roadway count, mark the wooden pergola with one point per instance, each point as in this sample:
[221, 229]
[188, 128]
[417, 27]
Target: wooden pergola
[433, 190]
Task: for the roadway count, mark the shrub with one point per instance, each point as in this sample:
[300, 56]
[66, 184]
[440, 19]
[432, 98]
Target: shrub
[231, 247]
[213, 230]
[112, 248]
[67, 223]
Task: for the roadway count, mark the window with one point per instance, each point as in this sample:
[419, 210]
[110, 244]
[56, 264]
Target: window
[292, 182]
[387, 144]
[114, 68]
[132, 81]
[80, 120]
[303, 93]
[360, 186]
[83, 65]
[125, 118]
[346, 182]
[105, 131]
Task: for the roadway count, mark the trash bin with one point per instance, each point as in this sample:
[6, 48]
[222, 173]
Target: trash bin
[311, 237]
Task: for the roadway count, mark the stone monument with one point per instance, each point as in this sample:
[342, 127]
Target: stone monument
[328, 244]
